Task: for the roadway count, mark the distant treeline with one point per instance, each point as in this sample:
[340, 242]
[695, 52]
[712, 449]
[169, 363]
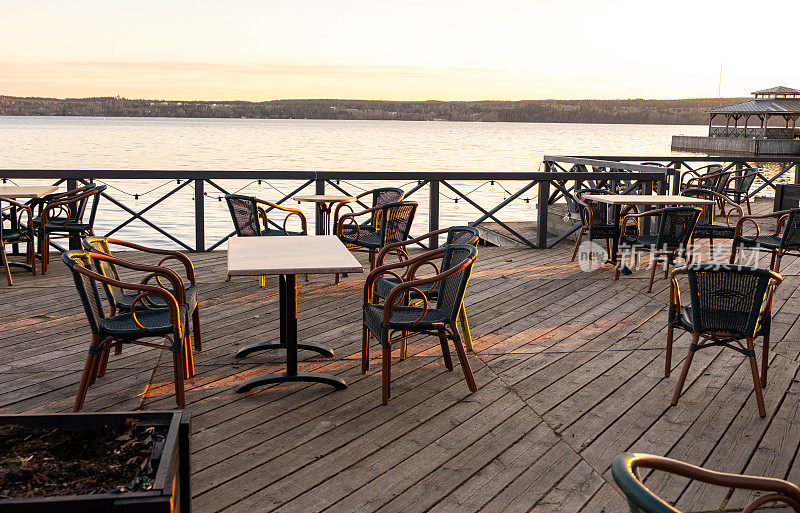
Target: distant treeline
[677, 112]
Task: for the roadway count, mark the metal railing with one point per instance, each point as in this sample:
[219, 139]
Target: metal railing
[454, 185]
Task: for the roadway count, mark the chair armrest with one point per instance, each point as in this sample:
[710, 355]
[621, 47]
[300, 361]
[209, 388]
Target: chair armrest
[170, 254]
[22, 208]
[408, 286]
[291, 211]
[778, 214]
[635, 217]
[395, 245]
[352, 216]
[418, 260]
[675, 294]
[347, 204]
[178, 289]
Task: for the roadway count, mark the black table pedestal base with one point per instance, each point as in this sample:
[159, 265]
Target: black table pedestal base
[262, 346]
[288, 319]
[284, 377]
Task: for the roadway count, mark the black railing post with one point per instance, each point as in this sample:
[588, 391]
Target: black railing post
[199, 216]
[319, 220]
[676, 179]
[74, 242]
[544, 196]
[433, 212]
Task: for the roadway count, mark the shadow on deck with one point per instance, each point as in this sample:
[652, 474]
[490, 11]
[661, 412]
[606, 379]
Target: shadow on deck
[569, 365]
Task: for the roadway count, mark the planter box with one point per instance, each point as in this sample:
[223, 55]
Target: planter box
[171, 491]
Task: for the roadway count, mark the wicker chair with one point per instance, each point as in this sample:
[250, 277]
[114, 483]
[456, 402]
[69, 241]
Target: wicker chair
[707, 227]
[728, 304]
[62, 215]
[18, 232]
[392, 223]
[675, 228]
[705, 177]
[785, 240]
[595, 220]
[119, 301]
[741, 187]
[382, 320]
[380, 197]
[625, 470]
[248, 217]
[150, 321]
[385, 283]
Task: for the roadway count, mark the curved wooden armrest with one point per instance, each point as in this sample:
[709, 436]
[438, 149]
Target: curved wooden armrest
[169, 299]
[353, 215]
[347, 204]
[635, 217]
[783, 488]
[22, 208]
[674, 290]
[178, 290]
[389, 247]
[290, 210]
[169, 253]
[64, 202]
[777, 214]
[428, 255]
[405, 287]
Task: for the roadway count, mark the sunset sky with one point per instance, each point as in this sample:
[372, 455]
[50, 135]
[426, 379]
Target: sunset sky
[411, 50]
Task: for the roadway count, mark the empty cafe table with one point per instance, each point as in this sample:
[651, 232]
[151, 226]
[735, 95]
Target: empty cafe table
[287, 257]
[22, 192]
[325, 204]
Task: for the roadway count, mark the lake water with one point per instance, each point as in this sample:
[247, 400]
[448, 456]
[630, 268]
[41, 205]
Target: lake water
[228, 144]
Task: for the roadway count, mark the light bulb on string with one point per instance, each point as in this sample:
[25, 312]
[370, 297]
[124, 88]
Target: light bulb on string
[491, 186]
[259, 185]
[136, 200]
[528, 203]
[455, 206]
[219, 203]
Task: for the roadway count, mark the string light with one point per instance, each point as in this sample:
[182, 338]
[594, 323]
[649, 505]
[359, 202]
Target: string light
[259, 185]
[528, 203]
[219, 203]
[136, 199]
[455, 207]
[491, 186]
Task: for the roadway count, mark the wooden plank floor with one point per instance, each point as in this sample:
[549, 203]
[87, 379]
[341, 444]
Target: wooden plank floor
[569, 365]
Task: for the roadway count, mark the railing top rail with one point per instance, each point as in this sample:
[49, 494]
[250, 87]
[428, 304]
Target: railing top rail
[615, 164]
[677, 158]
[651, 174]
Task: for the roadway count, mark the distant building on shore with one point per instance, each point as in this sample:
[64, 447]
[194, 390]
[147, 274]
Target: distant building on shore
[765, 125]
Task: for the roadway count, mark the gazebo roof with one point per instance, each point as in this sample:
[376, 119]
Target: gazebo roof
[779, 106]
[777, 90]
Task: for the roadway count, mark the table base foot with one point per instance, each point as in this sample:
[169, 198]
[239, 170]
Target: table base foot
[283, 377]
[261, 346]
[624, 269]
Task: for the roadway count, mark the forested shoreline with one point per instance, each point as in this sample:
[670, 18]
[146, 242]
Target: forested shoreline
[639, 111]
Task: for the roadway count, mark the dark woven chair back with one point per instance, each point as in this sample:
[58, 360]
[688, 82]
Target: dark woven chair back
[462, 235]
[743, 185]
[395, 221]
[727, 298]
[383, 196]
[87, 288]
[451, 289]
[599, 210]
[676, 226]
[791, 230]
[244, 213]
[77, 208]
[707, 214]
[107, 269]
[720, 182]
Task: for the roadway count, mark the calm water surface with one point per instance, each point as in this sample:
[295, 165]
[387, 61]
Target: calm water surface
[227, 144]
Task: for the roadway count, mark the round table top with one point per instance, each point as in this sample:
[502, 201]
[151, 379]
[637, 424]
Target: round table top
[324, 198]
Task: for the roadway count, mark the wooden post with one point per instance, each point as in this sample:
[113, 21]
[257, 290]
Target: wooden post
[74, 242]
[433, 212]
[544, 196]
[319, 219]
[199, 216]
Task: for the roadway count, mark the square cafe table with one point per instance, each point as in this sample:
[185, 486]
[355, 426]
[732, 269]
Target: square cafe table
[287, 257]
[616, 201]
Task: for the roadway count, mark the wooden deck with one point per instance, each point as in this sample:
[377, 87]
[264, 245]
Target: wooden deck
[569, 365]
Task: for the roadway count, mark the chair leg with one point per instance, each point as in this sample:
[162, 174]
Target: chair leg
[764, 361]
[465, 333]
[685, 370]
[371, 259]
[101, 371]
[31, 257]
[188, 356]
[263, 282]
[777, 266]
[4, 259]
[448, 361]
[762, 411]
[336, 280]
[462, 359]
[404, 346]
[747, 198]
[44, 250]
[652, 275]
[178, 360]
[577, 245]
[733, 253]
[365, 336]
[386, 371]
[668, 363]
[198, 343]
[83, 386]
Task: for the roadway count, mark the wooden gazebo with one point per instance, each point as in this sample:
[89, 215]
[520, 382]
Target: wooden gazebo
[776, 103]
